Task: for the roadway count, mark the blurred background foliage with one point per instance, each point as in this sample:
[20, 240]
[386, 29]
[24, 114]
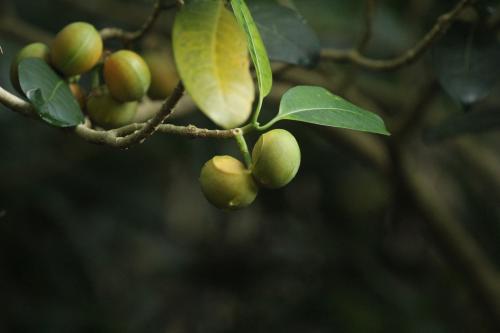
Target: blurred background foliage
[94, 239]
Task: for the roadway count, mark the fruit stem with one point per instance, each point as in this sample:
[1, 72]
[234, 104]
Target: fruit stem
[251, 127]
[255, 116]
[242, 145]
[266, 126]
[95, 79]
[74, 79]
[248, 128]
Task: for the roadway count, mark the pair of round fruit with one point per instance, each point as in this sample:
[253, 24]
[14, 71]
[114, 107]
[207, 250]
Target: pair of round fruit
[127, 78]
[228, 184]
[78, 48]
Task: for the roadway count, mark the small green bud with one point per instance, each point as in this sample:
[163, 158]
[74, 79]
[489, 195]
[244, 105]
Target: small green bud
[227, 184]
[33, 50]
[276, 159]
[107, 112]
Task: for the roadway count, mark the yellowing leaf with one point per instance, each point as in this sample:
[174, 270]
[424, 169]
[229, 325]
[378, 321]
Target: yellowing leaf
[210, 50]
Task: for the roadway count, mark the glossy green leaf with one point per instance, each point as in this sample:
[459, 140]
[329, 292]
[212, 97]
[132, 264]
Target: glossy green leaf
[286, 34]
[256, 47]
[210, 50]
[49, 94]
[317, 105]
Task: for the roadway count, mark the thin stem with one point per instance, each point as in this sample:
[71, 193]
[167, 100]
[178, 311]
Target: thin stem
[129, 37]
[249, 128]
[268, 125]
[242, 145]
[154, 123]
[95, 80]
[255, 116]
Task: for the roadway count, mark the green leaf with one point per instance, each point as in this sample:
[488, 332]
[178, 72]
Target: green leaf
[210, 50]
[286, 34]
[49, 94]
[317, 105]
[257, 50]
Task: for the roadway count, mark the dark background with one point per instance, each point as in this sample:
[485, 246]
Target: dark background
[94, 239]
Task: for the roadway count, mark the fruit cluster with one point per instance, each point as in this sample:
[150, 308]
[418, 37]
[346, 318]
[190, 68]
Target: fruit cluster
[225, 181]
[228, 184]
[77, 49]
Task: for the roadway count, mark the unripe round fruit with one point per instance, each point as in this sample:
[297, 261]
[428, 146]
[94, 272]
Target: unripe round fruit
[76, 49]
[79, 94]
[227, 184]
[276, 159]
[164, 77]
[107, 112]
[127, 76]
[34, 50]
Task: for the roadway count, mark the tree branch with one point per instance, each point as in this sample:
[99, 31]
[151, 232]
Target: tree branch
[152, 125]
[129, 135]
[354, 56]
[16, 104]
[128, 37]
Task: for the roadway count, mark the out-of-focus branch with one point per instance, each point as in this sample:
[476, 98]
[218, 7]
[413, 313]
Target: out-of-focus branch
[368, 17]
[462, 251]
[356, 57]
[351, 74]
[482, 159]
[18, 29]
[129, 37]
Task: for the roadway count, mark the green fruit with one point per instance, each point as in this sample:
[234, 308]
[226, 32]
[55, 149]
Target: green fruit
[34, 50]
[127, 76]
[107, 112]
[76, 49]
[164, 77]
[227, 184]
[276, 159]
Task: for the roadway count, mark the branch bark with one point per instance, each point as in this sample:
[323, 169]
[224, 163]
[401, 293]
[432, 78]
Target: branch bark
[129, 135]
[152, 125]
